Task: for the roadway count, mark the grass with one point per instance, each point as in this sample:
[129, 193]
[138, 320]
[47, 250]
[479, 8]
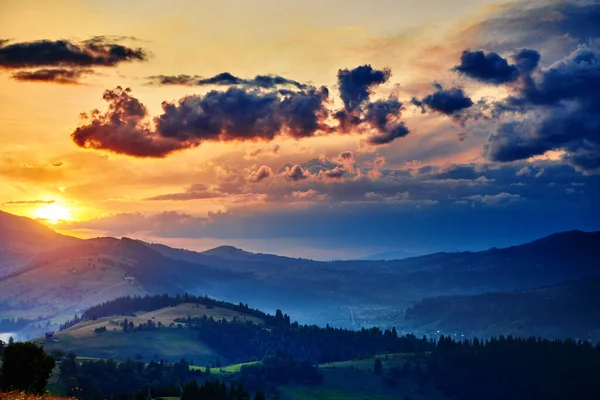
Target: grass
[387, 361]
[170, 344]
[230, 369]
[356, 380]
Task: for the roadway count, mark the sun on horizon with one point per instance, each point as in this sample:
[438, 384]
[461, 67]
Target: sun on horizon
[53, 213]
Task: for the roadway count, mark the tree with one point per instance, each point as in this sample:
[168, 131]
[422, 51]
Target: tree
[26, 367]
[259, 396]
[378, 367]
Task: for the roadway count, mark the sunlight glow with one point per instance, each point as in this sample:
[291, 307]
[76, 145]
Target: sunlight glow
[53, 213]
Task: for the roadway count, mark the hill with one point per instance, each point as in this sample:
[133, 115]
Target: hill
[567, 310]
[168, 340]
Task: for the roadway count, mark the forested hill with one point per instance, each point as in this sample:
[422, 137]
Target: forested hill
[127, 305]
[561, 311]
[239, 339]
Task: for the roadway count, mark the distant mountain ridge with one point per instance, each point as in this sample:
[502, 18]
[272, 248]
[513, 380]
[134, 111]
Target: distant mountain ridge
[61, 275]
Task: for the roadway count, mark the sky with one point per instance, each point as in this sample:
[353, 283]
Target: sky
[317, 129]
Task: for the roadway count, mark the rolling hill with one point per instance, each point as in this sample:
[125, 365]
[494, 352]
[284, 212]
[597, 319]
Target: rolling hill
[170, 342]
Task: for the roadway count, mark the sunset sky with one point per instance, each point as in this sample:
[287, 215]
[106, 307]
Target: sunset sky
[320, 129]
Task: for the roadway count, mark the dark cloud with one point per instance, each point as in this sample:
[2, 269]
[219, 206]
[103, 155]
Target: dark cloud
[174, 79]
[449, 102]
[57, 164]
[356, 84]
[384, 117]
[489, 68]
[295, 173]
[399, 130]
[63, 53]
[527, 60]
[228, 79]
[235, 114]
[19, 202]
[551, 26]
[123, 129]
[58, 75]
[379, 113]
[224, 78]
[562, 112]
[245, 113]
[260, 174]
[381, 117]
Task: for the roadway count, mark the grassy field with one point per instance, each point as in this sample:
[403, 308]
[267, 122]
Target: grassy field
[227, 370]
[170, 344]
[387, 361]
[166, 343]
[163, 343]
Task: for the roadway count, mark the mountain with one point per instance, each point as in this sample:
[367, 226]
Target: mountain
[560, 311]
[390, 255]
[21, 237]
[55, 276]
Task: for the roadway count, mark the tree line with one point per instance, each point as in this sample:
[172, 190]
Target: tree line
[514, 368]
[241, 341]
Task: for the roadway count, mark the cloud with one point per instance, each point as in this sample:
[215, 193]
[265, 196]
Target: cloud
[561, 112]
[123, 129]
[551, 26]
[382, 117]
[64, 53]
[379, 162]
[59, 75]
[241, 113]
[65, 61]
[495, 200]
[309, 194]
[450, 102]
[194, 192]
[174, 79]
[335, 174]
[398, 130]
[524, 171]
[346, 158]
[295, 173]
[227, 79]
[488, 68]
[260, 174]
[233, 115]
[21, 202]
[356, 84]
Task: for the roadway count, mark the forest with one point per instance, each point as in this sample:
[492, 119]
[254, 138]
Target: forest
[493, 369]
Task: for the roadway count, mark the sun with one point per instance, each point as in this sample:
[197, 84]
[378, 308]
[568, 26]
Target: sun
[53, 213]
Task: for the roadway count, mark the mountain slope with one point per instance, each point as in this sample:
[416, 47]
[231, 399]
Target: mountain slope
[567, 310]
[57, 281]
[21, 237]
